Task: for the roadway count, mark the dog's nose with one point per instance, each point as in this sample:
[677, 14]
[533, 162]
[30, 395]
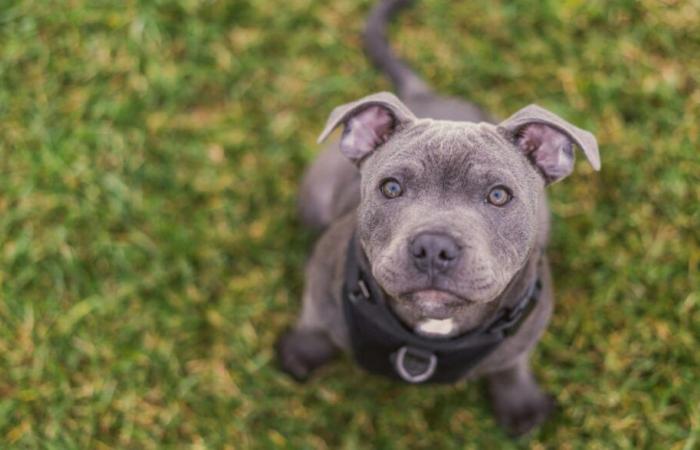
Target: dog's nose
[434, 252]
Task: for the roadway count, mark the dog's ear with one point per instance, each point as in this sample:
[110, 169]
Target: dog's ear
[547, 140]
[369, 123]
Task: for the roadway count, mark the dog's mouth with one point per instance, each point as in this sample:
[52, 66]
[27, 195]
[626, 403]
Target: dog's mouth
[436, 304]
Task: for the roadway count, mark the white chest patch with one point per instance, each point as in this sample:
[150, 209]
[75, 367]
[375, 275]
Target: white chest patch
[435, 327]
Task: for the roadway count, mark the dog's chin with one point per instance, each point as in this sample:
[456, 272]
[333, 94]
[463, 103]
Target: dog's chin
[434, 304]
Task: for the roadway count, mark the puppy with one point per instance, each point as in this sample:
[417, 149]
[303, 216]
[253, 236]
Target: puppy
[432, 265]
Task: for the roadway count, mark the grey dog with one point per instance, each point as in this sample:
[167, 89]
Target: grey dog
[450, 217]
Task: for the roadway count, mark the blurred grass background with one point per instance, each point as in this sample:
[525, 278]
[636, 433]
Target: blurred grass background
[150, 153]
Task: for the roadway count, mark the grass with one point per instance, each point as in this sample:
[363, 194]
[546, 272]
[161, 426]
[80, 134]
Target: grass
[150, 253]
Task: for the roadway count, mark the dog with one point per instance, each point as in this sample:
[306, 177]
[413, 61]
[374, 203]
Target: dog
[432, 265]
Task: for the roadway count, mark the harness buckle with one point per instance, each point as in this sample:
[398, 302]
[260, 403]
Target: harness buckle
[414, 365]
[509, 323]
[361, 292]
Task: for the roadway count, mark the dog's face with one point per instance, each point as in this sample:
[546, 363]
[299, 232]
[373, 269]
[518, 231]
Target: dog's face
[448, 215]
[450, 211]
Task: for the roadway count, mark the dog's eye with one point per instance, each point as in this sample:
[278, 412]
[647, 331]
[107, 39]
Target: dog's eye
[391, 188]
[499, 196]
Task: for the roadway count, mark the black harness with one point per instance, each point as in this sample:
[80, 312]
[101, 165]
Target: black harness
[382, 345]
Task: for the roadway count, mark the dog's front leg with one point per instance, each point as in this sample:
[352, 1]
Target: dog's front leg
[518, 402]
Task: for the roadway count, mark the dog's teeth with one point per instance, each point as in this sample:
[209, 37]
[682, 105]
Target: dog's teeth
[435, 327]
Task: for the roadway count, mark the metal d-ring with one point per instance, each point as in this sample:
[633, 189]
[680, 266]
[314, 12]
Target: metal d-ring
[400, 360]
[362, 292]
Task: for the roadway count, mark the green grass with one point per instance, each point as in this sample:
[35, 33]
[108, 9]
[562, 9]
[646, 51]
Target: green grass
[150, 253]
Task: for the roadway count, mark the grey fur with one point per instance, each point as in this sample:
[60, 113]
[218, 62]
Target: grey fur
[447, 166]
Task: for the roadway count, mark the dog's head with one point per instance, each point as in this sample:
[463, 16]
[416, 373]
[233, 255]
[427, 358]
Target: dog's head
[450, 212]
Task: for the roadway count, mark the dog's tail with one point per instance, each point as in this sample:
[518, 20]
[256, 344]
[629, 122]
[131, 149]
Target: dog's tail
[405, 80]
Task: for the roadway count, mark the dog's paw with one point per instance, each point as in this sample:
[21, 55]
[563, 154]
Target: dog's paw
[290, 359]
[522, 416]
[299, 353]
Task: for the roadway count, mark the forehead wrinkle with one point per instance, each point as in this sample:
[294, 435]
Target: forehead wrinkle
[453, 160]
[434, 138]
[443, 135]
[447, 152]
